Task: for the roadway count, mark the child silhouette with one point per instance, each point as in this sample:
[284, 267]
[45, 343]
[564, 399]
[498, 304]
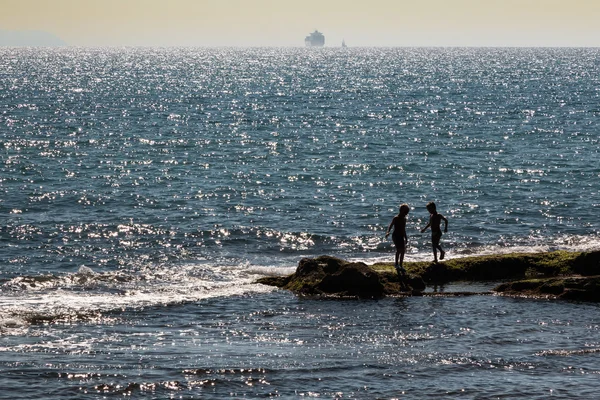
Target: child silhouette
[435, 221]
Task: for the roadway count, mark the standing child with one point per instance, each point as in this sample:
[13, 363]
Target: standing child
[399, 236]
[435, 221]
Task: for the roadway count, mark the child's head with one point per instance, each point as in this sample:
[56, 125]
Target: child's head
[431, 207]
[404, 209]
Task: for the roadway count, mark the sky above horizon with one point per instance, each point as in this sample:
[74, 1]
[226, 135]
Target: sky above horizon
[548, 23]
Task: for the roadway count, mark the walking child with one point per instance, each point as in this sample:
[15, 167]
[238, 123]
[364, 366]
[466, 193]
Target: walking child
[399, 237]
[435, 221]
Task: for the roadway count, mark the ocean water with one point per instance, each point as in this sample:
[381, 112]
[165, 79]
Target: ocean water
[143, 192]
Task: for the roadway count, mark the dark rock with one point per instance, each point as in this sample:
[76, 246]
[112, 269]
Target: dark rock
[320, 265]
[552, 287]
[580, 295]
[309, 266]
[354, 279]
[279, 281]
[437, 272]
[587, 264]
[416, 283]
[331, 276]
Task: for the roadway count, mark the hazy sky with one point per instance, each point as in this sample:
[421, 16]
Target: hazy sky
[287, 22]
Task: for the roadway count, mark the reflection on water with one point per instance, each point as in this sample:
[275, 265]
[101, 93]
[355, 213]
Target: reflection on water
[278, 344]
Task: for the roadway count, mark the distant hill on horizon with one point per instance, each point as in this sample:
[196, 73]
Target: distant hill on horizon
[30, 38]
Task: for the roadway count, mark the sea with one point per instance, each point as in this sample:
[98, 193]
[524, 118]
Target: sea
[143, 191]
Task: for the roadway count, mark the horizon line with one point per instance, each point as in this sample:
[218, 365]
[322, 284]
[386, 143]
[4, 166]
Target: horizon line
[62, 46]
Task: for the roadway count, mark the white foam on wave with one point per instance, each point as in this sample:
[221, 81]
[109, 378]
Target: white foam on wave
[12, 324]
[572, 243]
[575, 243]
[161, 286]
[271, 271]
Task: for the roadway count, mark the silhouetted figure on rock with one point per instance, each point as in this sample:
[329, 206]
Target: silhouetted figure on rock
[399, 237]
[435, 221]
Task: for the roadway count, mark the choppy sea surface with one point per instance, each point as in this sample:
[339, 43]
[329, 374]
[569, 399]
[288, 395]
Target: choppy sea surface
[143, 192]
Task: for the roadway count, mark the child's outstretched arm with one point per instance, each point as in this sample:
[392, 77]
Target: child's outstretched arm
[428, 225]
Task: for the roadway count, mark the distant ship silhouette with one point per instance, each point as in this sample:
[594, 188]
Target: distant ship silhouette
[315, 39]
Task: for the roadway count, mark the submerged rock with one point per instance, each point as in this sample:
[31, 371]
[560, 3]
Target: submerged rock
[581, 288]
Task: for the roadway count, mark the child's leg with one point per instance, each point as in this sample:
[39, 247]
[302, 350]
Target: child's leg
[442, 252]
[439, 246]
[400, 249]
[435, 241]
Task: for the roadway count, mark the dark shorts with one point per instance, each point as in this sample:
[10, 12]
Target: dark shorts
[435, 237]
[398, 242]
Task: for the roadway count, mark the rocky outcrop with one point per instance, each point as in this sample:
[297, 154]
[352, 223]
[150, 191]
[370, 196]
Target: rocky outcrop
[509, 266]
[560, 274]
[332, 276]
